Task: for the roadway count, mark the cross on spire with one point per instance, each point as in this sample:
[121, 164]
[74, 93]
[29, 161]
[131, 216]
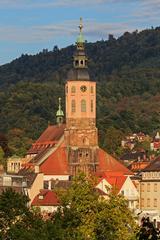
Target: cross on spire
[81, 25]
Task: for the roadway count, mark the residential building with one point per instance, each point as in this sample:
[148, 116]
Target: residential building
[120, 184]
[46, 200]
[14, 164]
[150, 189]
[155, 144]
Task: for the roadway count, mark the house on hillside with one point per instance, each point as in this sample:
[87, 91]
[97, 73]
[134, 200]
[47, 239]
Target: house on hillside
[155, 144]
[131, 140]
[129, 157]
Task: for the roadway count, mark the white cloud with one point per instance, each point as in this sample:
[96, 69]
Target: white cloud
[148, 10]
[49, 3]
[93, 30]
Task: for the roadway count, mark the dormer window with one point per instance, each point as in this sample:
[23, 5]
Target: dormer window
[41, 197]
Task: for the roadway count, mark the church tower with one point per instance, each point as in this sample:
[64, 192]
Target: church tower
[81, 133]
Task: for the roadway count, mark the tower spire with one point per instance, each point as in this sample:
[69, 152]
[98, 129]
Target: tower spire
[80, 25]
[80, 60]
[80, 39]
[59, 114]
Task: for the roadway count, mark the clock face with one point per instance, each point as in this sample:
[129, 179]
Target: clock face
[83, 88]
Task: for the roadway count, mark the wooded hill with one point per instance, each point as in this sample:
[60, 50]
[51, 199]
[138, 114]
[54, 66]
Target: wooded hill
[127, 71]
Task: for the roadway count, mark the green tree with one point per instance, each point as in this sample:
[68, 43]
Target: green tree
[85, 215]
[112, 140]
[144, 145]
[115, 220]
[13, 208]
[18, 221]
[2, 159]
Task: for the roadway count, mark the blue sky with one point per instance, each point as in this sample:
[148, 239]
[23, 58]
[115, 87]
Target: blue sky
[28, 26]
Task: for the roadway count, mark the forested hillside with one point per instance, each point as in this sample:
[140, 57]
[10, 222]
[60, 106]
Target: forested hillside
[127, 71]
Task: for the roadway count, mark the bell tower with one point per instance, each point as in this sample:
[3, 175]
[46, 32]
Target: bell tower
[81, 132]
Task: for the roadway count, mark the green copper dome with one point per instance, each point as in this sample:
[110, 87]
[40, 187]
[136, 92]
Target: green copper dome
[59, 112]
[80, 38]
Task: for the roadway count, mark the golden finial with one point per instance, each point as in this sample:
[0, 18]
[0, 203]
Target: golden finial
[81, 25]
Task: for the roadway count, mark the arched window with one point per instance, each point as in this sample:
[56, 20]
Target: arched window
[92, 90]
[82, 63]
[73, 105]
[83, 105]
[91, 105]
[73, 89]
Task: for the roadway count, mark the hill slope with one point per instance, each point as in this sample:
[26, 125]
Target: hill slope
[126, 69]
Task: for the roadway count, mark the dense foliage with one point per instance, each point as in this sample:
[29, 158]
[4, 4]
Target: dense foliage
[83, 215]
[128, 84]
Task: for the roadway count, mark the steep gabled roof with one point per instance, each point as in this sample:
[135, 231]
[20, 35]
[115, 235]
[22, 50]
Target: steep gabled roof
[52, 133]
[48, 138]
[56, 163]
[153, 166]
[45, 198]
[108, 164]
[116, 181]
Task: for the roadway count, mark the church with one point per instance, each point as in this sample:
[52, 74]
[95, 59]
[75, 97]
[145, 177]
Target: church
[64, 149]
[71, 145]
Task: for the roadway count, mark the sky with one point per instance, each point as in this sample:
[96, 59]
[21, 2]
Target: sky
[28, 26]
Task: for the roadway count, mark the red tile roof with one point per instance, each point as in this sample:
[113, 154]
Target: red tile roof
[49, 137]
[116, 181]
[56, 163]
[109, 165]
[52, 133]
[45, 198]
